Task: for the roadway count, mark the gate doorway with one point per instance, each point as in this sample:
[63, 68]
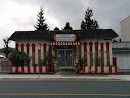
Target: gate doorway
[65, 58]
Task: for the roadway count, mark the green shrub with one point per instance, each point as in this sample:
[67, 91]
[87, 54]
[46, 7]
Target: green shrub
[19, 58]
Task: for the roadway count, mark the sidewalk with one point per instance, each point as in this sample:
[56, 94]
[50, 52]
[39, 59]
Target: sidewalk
[63, 77]
[67, 75]
[120, 77]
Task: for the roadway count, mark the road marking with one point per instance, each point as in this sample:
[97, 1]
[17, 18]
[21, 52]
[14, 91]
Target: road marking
[65, 94]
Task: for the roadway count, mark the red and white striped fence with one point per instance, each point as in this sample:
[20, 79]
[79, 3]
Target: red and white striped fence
[99, 69]
[29, 69]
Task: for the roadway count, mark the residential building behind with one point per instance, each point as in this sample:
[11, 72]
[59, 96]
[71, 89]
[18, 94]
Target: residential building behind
[125, 29]
[121, 50]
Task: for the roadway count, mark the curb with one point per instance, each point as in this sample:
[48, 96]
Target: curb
[85, 79]
[58, 77]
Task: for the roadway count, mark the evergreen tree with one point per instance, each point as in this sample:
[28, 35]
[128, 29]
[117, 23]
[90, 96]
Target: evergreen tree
[89, 23]
[41, 25]
[83, 26]
[67, 26]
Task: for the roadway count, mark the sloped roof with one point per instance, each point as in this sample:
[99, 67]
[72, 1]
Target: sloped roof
[48, 35]
[65, 31]
[98, 34]
[3, 49]
[25, 35]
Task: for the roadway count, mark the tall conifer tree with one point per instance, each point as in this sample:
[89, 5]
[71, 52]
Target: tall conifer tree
[89, 23]
[41, 25]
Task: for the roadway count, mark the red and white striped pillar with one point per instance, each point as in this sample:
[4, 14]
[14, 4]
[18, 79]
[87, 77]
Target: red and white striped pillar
[85, 52]
[96, 53]
[91, 53]
[28, 45]
[102, 54]
[50, 50]
[79, 51]
[39, 53]
[33, 54]
[22, 47]
[44, 47]
[108, 54]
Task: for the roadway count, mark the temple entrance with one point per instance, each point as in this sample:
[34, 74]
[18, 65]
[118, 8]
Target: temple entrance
[65, 58]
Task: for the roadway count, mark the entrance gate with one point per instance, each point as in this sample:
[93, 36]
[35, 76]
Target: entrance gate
[65, 58]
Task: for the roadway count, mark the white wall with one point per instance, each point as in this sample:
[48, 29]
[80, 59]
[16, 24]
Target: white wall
[121, 45]
[125, 29]
[121, 51]
[123, 61]
[82, 49]
[36, 48]
[99, 49]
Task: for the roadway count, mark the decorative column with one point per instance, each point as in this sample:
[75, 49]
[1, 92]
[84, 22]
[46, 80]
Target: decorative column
[108, 54]
[50, 51]
[39, 53]
[85, 52]
[17, 45]
[74, 54]
[91, 53]
[44, 47]
[102, 54]
[28, 45]
[79, 50]
[96, 54]
[55, 49]
[22, 47]
[33, 54]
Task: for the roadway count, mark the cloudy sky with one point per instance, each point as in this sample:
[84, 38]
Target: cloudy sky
[20, 15]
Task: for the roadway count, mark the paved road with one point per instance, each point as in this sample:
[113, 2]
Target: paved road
[66, 88]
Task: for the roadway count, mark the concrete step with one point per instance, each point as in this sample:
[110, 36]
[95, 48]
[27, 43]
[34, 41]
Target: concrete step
[65, 71]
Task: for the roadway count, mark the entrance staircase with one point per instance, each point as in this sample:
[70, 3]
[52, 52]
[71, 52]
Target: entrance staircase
[65, 72]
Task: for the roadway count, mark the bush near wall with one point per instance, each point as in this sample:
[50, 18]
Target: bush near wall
[19, 58]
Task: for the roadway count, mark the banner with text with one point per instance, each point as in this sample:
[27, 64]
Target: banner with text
[65, 37]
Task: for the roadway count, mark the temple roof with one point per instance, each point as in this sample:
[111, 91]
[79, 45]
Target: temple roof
[98, 34]
[48, 35]
[30, 35]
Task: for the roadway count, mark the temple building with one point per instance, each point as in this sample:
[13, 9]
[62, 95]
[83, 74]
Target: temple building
[67, 47]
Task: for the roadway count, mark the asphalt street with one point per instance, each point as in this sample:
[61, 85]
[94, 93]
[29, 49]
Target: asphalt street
[64, 89]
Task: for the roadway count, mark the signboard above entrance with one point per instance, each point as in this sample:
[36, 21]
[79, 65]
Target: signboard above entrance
[65, 37]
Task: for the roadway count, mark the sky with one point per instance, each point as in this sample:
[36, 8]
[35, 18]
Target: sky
[21, 15]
